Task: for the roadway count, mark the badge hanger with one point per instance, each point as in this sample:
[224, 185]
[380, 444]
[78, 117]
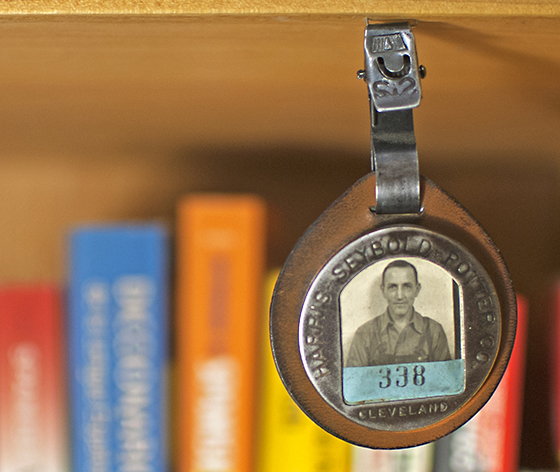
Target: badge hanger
[394, 317]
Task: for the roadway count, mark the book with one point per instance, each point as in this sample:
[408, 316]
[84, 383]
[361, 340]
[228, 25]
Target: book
[221, 249]
[553, 304]
[414, 459]
[118, 343]
[33, 435]
[490, 441]
[287, 439]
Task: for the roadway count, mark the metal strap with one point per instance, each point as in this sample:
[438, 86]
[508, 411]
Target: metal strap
[393, 78]
[396, 163]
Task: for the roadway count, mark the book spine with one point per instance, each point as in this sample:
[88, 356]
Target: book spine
[414, 459]
[118, 348]
[554, 300]
[220, 267]
[288, 439]
[32, 404]
[489, 442]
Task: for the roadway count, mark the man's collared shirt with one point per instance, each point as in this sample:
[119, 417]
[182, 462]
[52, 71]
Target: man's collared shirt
[377, 342]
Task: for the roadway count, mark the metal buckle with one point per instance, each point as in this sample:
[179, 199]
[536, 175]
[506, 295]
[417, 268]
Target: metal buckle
[393, 77]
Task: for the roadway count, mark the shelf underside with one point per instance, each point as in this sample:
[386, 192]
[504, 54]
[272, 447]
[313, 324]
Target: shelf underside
[161, 85]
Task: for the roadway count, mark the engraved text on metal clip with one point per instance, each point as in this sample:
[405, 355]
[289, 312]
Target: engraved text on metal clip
[391, 67]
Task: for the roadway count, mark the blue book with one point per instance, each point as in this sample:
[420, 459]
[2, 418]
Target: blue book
[118, 344]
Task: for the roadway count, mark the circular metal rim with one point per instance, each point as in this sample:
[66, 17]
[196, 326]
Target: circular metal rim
[344, 221]
[473, 315]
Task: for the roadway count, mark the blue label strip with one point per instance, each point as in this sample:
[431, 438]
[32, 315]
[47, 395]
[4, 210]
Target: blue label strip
[403, 381]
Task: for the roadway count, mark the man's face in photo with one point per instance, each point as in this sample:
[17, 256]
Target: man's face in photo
[400, 289]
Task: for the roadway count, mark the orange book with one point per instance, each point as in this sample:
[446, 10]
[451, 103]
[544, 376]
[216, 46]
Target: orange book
[33, 433]
[221, 241]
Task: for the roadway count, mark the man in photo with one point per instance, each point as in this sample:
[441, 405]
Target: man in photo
[400, 335]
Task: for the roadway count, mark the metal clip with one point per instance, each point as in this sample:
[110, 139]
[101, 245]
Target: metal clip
[393, 77]
[391, 67]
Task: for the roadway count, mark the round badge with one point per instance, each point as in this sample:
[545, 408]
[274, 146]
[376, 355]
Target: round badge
[391, 331]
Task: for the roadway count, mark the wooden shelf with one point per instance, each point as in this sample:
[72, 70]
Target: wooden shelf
[113, 109]
[381, 8]
[164, 83]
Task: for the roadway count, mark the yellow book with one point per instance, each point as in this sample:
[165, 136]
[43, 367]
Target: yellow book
[288, 439]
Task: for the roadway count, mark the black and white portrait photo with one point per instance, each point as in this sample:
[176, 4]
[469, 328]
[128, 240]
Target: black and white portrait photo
[397, 312]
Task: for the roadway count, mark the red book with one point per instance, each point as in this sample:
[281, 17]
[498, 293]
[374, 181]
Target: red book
[490, 441]
[32, 406]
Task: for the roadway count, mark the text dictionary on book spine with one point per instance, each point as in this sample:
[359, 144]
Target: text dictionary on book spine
[490, 441]
[220, 267]
[118, 348]
[288, 440]
[33, 436]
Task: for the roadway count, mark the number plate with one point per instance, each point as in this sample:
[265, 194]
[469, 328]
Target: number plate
[361, 385]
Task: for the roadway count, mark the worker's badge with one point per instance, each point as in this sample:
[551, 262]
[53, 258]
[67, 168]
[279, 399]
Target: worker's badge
[394, 317]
